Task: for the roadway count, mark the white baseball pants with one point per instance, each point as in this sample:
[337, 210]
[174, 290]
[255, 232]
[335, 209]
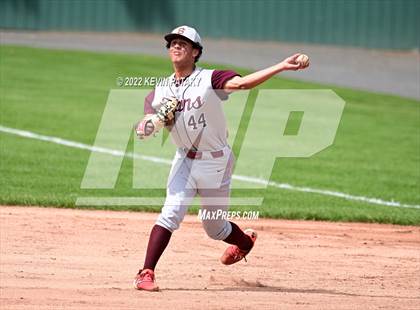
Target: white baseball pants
[209, 178]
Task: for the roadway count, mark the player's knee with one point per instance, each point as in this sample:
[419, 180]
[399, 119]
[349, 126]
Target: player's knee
[170, 222]
[217, 230]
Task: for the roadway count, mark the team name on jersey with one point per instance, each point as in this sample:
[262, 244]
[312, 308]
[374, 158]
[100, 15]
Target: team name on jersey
[187, 104]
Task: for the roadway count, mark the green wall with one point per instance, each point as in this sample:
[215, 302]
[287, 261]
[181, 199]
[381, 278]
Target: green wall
[365, 23]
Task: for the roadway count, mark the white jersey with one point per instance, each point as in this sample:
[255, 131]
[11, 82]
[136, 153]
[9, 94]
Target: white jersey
[200, 122]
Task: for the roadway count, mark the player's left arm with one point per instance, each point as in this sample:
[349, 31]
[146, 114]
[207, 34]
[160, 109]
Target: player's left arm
[153, 121]
[254, 79]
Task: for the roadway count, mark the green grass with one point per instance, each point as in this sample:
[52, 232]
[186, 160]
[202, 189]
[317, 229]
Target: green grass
[63, 93]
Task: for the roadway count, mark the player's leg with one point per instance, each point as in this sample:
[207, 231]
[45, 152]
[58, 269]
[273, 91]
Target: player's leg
[219, 228]
[171, 216]
[214, 205]
[179, 195]
[216, 199]
[169, 220]
[242, 243]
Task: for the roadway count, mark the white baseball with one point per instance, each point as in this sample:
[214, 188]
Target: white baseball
[303, 60]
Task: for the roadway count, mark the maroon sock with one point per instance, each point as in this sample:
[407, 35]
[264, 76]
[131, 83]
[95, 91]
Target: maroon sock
[239, 238]
[158, 240]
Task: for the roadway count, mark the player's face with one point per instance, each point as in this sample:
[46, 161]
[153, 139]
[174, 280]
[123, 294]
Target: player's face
[182, 52]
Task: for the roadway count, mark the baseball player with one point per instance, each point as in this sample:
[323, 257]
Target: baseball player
[190, 106]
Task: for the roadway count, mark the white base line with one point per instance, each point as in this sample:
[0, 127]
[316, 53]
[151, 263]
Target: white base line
[31, 135]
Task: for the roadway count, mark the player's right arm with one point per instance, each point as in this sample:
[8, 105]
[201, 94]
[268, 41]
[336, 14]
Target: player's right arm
[254, 79]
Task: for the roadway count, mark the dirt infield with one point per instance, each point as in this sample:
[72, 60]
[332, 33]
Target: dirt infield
[76, 259]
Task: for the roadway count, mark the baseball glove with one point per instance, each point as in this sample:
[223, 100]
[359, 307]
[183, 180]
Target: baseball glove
[167, 111]
[151, 124]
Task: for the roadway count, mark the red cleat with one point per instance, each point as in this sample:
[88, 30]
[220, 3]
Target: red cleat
[233, 254]
[145, 280]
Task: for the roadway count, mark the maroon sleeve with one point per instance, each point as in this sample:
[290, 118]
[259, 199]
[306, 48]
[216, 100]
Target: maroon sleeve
[148, 109]
[220, 77]
[218, 80]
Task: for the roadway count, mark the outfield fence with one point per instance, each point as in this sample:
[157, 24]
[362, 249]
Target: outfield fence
[364, 23]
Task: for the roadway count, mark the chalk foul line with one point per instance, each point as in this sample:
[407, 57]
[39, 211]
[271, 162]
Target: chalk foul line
[247, 179]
